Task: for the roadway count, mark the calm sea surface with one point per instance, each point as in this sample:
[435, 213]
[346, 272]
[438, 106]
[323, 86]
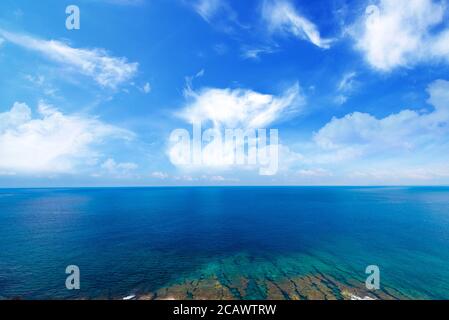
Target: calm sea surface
[248, 241]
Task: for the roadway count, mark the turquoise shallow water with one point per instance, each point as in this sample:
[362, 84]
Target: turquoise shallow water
[141, 240]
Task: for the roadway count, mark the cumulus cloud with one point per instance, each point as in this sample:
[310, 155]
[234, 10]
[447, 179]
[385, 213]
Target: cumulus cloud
[118, 168]
[159, 175]
[406, 147]
[360, 134]
[240, 108]
[51, 142]
[402, 33]
[282, 17]
[106, 70]
[245, 111]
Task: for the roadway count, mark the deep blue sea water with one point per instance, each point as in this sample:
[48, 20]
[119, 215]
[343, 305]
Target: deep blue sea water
[137, 240]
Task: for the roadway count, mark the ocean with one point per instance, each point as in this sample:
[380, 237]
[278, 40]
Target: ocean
[225, 242]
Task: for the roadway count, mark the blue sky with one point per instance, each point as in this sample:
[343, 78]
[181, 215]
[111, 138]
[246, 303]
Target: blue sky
[358, 90]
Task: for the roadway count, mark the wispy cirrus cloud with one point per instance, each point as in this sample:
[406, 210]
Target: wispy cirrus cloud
[345, 87]
[98, 64]
[240, 108]
[281, 17]
[218, 13]
[254, 53]
[347, 82]
[208, 9]
[402, 33]
[52, 142]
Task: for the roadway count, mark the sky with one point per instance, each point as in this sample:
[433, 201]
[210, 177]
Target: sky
[358, 91]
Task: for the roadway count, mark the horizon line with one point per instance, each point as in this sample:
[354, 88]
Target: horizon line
[226, 186]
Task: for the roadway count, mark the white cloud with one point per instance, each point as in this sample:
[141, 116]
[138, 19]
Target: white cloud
[146, 88]
[341, 99]
[118, 168]
[218, 13]
[254, 53]
[207, 9]
[407, 147]
[1, 41]
[361, 134]
[159, 175]
[41, 83]
[221, 49]
[314, 172]
[106, 70]
[347, 82]
[402, 33]
[217, 178]
[282, 17]
[204, 178]
[52, 142]
[38, 80]
[345, 87]
[185, 178]
[219, 109]
[240, 108]
[402, 173]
